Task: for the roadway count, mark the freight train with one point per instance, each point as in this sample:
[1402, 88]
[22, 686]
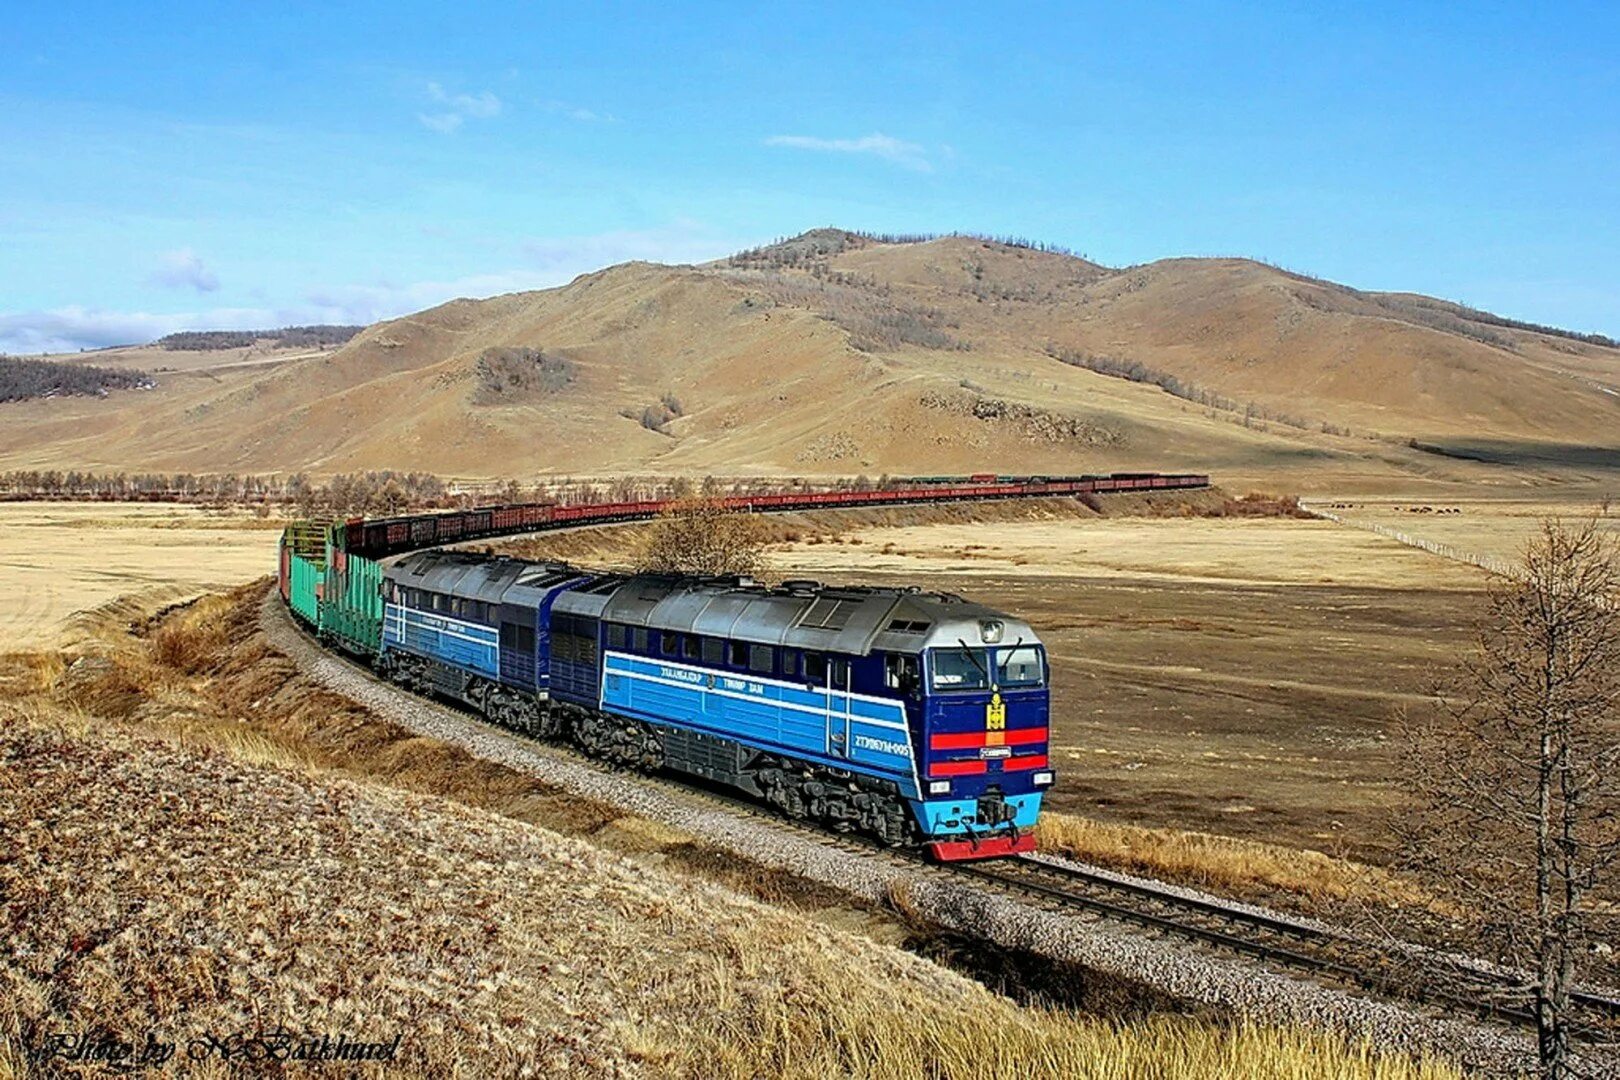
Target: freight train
[920, 719]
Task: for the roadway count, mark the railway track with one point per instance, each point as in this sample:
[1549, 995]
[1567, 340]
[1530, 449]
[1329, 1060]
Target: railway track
[1403, 973]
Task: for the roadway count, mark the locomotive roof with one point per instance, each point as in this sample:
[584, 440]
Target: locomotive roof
[801, 614]
[490, 578]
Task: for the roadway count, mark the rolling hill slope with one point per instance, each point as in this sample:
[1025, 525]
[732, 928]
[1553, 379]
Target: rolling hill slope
[833, 353]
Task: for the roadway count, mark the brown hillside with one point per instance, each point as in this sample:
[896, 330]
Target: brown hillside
[832, 353]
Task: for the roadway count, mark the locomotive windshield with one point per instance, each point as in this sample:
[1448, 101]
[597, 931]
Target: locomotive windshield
[961, 669]
[1018, 667]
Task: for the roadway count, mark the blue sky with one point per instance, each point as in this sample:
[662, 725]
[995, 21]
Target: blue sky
[173, 166]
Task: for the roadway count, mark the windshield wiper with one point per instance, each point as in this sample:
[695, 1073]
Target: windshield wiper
[975, 659]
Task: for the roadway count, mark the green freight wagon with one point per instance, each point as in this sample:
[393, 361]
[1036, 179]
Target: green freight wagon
[303, 554]
[352, 606]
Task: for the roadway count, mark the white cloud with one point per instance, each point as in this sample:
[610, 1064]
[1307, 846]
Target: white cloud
[550, 261]
[183, 269]
[69, 329]
[898, 151]
[575, 112]
[483, 104]
[455, 109]
[443, 123]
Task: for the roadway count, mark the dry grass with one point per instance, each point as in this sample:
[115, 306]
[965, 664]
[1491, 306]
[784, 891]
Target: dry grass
[1493, 528]
[195, 851]
[59, 559]
[1221, 863]
[189, 641]
[181, 890]
[1211, 546]
[23, 673]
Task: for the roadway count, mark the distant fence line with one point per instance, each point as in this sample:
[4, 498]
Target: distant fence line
[1433, 547]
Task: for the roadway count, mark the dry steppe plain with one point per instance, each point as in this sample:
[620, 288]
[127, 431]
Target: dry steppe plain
[61, 559]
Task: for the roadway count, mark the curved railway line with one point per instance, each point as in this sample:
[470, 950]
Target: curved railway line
[1398, 972]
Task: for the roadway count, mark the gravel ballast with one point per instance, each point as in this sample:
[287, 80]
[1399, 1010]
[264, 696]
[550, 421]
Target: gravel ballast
[1167, 965]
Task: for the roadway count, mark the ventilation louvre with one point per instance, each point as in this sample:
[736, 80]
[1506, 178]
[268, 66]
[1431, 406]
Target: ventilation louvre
[827, 614]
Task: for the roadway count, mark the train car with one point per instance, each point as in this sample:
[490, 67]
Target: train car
[352, 609]
[303, 569]
[473, 628]
[914, 717]
[917, 718]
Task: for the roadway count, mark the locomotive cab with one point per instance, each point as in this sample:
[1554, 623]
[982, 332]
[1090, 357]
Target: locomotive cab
[982, 717]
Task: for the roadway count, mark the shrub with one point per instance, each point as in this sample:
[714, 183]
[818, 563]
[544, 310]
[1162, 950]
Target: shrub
[508, 375]
[700, 536]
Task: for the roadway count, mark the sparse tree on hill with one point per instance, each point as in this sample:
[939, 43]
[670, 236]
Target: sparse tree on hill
[1515, 815]
[700, 536]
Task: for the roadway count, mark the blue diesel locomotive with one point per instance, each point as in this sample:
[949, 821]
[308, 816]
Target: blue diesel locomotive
[918, 718]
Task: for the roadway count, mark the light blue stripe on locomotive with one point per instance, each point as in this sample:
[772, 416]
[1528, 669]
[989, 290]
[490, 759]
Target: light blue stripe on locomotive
[848, 731]
[454, 641]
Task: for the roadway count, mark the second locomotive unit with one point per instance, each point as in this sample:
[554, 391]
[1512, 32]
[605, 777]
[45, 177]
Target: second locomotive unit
[918, 718]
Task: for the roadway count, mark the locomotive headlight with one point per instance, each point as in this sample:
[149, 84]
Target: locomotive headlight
[939, 787]
[990, 631]
[1041, 779]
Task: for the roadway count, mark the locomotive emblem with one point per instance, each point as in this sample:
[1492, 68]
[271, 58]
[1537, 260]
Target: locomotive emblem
[995, 713]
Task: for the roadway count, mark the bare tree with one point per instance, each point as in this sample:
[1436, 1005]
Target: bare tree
[1515, 778]
[700, 536]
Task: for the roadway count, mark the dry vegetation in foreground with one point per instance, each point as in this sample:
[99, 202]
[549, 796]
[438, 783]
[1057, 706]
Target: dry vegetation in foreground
[181, 858]
[1245, 868]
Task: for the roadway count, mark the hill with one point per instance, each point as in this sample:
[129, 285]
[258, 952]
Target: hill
[837, 353]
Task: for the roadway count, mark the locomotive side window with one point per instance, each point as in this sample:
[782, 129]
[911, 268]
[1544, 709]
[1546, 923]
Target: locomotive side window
[638, 639]
[900, 672]
[760, 659]
[840, 674]
[615, 636]
[713, 650]
[689, 646]
[815, 669]
[738, 653]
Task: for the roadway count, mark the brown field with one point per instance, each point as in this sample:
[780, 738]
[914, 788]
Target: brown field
[1492, 528]
[59, 559]
[1231, 677]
